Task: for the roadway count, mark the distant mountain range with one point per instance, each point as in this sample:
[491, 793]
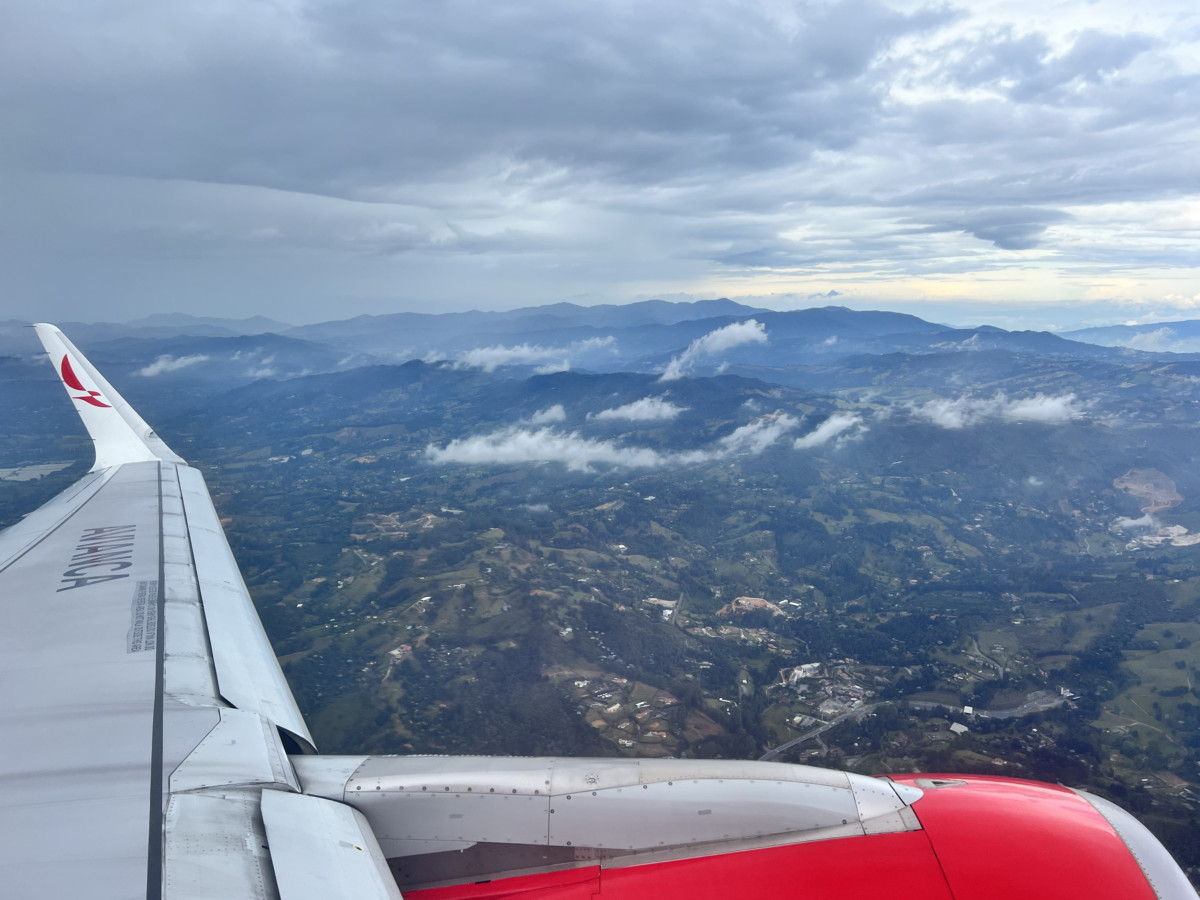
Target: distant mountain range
[820, 348]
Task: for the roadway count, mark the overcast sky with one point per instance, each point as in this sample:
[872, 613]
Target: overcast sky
[1025, 162]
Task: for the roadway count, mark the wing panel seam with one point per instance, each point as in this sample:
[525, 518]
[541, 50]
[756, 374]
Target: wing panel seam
[154, 855]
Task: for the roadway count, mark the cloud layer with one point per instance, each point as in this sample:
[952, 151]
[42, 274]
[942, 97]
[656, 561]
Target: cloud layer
[275, 156]
[546, 444]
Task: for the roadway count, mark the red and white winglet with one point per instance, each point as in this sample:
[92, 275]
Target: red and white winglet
[119, 433]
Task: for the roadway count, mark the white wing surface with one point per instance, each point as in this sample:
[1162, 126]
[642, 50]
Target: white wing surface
[142, 711]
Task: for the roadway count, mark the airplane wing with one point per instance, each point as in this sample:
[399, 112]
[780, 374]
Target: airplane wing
[150, 747]
[143, 715]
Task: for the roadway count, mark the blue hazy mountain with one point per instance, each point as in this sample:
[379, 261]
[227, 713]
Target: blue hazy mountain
[1168, 337]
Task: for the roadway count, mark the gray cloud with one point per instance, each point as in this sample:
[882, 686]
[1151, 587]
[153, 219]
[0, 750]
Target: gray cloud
[1018, 228]
[480, 155]
[1026, 66]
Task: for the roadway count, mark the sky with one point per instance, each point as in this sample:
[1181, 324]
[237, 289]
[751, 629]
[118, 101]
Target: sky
[1010, 162]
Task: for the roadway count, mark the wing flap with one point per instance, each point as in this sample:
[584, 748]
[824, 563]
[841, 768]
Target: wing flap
[321, 848]
[248, 674]
[216, 847]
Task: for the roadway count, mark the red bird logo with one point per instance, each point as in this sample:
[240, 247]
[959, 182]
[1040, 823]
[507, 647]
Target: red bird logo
[74, 383]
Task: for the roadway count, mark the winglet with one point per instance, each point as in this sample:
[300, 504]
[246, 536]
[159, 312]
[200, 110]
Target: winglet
[119, 433]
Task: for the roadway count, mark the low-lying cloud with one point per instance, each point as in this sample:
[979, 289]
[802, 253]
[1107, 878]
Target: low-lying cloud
[551, 359]
[835, 426]
[583, 454]
[1161, 340]
[550, 414]
[1127, 524]
[491, 358]
[167, 363]
[543, 445]
[961, 412]
[757, 436]
[750, 331]
[648, 409]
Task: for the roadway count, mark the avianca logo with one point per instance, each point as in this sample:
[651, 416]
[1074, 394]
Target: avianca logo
[74, 383]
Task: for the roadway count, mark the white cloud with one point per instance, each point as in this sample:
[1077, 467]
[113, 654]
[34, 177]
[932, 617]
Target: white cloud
[750, 331]
[1160, 340]
[591, 345]
[581, 454]
[550, 414]
[648, 409]
[836, 425]
[553, 359]
[491, 358]
[757, 436]
[167, 363]
[1041, 408]
[960, 412]
[543, 445]
[1127, 524]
